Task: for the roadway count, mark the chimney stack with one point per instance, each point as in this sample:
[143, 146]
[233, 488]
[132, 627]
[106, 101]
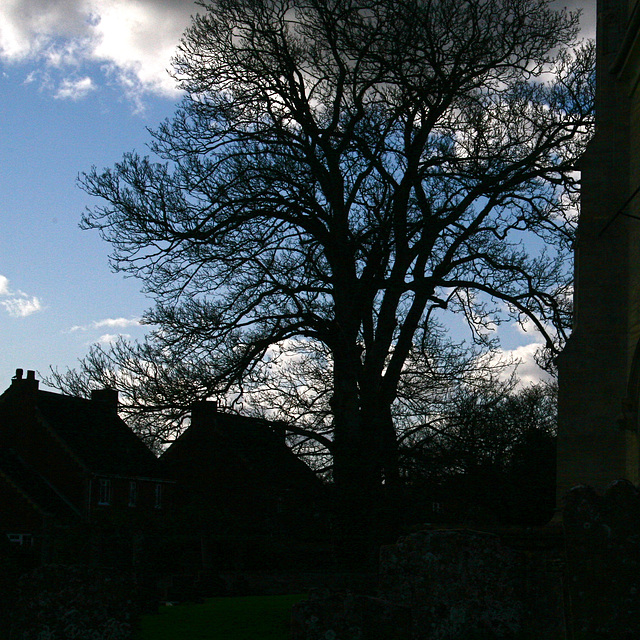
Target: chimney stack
[107, 396]
[202, 412]
[30, 383]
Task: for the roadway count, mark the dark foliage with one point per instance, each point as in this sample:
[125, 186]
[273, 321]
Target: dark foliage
[63, 602]
[12, 565]
[490, 458]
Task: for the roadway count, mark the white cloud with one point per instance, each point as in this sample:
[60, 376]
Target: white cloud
[117, 322]
[526, 326]
[21, 305]
[111, 323]
[17, 303]
[74, 89]
[138, 39]
[29, 28]
[133, 40]
[108, 323]
[109, 338]
[528, 371]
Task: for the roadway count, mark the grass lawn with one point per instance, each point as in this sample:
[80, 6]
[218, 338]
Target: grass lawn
[248, 618]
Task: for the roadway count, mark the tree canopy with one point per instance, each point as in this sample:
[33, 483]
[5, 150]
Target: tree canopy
[346, 173]
[488, 455]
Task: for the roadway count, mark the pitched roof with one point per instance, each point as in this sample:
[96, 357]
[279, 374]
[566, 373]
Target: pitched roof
[252, 443]
[32, 486]
[97, 436]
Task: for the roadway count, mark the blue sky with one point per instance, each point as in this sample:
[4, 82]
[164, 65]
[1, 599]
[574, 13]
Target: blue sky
[79, 82]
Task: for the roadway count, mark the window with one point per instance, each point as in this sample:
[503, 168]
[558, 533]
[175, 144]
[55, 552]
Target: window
[104, 497]
[133, 493]
[158, 496]
[21, 539]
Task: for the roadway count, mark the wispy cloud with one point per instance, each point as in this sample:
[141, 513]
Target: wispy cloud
[108, 323]
[109, 338]
[74, 89]
[117, 322]
[18, 304]
[4, 286]
[21, 307]
[133, 40]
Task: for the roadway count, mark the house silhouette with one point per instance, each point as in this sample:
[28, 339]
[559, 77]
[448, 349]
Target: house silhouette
[76, 482]
[239, 485]
[68, 463]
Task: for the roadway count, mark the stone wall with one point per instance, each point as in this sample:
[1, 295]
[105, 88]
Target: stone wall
[595, 367]
[444, 585]
[575, 581]
[603, 561]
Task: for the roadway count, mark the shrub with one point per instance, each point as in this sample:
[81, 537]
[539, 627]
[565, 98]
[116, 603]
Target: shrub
[61, 602]
[10, 570]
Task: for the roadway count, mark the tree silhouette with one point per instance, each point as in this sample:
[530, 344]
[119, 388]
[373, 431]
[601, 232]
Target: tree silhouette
[489, 454]
[347, 173]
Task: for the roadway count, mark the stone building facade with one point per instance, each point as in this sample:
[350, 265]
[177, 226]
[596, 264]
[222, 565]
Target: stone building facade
[599, 370]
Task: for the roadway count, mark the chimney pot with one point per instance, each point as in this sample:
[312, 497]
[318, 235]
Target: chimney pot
[29, 383]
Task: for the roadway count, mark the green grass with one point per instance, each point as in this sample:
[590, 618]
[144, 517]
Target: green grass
[248, 618]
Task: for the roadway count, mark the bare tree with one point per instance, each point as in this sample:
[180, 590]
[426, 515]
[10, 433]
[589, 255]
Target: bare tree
[480, 427]
[345, 172]
[491, 450]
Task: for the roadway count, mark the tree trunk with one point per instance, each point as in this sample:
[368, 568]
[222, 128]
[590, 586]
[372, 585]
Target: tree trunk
[356, 471]
[365, 464]
[377, 416]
